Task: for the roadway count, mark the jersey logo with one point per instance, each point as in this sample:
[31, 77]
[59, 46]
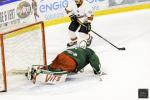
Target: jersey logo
[72, 53]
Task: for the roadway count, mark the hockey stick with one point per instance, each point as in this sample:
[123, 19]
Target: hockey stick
[123, 48]
[17, 71]
[21, 71]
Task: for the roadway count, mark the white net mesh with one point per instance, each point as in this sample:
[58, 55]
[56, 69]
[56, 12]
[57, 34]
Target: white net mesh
[1, 76]
[23, 48]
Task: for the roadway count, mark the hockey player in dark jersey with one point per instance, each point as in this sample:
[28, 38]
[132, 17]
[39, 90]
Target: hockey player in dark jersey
[73, 61]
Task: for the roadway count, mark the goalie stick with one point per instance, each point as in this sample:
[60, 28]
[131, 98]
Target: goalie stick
[17, 71]
[122, 48]
[21, 71]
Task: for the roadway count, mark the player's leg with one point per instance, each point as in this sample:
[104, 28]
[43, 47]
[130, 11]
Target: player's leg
[72, 28]
[84, 35]
[40, 74]
[46, 76]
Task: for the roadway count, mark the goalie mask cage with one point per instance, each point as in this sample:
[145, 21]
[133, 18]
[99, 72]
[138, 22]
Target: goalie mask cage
[21, 48]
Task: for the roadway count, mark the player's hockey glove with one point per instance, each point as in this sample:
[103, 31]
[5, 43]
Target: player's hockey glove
[73, 17]
[97, 72]
[88, 26]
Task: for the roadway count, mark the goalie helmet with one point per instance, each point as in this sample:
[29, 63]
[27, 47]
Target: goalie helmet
[82, 44]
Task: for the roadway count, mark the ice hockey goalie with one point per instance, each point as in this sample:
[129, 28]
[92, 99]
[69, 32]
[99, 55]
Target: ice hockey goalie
[69, 61]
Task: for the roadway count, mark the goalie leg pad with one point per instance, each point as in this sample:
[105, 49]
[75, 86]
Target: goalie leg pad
[50, 77]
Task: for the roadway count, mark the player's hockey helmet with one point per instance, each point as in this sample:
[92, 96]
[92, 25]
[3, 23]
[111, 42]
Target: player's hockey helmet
[78, 1]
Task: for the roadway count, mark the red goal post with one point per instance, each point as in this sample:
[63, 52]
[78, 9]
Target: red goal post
[21, 48]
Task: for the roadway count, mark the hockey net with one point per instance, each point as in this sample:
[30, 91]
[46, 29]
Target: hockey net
[21, 48]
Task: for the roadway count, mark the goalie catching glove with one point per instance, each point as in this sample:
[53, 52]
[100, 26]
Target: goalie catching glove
[32, 72]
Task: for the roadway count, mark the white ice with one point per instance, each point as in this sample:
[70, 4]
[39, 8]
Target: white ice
[127, 70]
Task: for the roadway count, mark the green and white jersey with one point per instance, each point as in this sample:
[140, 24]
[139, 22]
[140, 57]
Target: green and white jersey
[84, 57]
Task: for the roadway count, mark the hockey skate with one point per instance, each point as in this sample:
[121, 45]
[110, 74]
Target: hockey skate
[89, 41]
[72, 43]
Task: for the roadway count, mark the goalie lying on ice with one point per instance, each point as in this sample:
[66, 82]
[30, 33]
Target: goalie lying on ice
[70, 61]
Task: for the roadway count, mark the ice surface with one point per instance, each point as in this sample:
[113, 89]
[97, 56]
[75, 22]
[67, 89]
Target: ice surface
[127, 70]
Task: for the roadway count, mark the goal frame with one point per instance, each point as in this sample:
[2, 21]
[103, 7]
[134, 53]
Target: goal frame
[4, 67]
